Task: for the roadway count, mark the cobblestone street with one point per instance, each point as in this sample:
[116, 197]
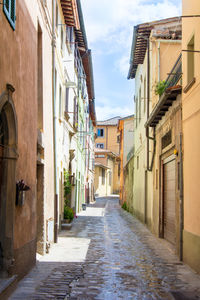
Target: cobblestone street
[108, 254]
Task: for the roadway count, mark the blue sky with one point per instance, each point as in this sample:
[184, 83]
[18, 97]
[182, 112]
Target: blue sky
[109, 28]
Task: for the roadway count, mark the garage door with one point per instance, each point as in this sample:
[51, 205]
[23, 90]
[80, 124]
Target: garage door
[169, 202]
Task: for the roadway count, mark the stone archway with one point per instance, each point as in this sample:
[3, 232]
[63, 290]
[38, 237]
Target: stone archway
[8, 158]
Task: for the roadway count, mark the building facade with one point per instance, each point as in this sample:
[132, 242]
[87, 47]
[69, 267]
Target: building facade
[191, 125]
[126, 131]
[152, 43]
[108, 139]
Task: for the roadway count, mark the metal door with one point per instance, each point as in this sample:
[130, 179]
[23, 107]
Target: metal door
[169, 195]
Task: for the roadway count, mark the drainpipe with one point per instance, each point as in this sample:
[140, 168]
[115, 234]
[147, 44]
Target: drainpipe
[149, 168]
[158, 61]
[54, 127]
[181, 198]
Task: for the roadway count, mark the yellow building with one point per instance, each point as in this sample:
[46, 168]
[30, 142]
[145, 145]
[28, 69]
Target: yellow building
[191, 127]
[125, 128]
[107, 139]
[155, 48]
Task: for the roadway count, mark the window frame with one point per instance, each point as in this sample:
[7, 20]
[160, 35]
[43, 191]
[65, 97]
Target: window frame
[100, 144]
[8, 13]
[100, 136]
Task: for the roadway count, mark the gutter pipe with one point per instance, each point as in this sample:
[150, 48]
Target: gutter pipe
[54, 126]
[149, 168]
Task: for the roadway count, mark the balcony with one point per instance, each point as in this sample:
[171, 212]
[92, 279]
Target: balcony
[172, 89]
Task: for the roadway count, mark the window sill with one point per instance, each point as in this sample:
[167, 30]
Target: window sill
[189, 85]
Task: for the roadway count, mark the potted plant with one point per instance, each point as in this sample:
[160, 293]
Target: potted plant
[68, 214]
[160, 87]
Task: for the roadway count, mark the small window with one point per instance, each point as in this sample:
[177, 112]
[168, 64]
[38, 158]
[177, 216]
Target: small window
[66, 99]
[144, 94]
[100, 132]
[100, 145]
[166, 139]
[140, 105]
[138, 162]
[190, 60]
[110, 178]
[61, 38]
[9, 11]
[118, 139]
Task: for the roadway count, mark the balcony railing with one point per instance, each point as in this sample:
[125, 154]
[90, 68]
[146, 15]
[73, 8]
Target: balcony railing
[175, 74]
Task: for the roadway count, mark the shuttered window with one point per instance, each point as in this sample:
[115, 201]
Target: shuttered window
[9, 11]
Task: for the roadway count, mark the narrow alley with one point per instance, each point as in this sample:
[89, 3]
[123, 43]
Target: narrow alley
[108, 254]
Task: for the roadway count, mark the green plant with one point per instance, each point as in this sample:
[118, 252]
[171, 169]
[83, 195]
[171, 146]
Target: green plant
[68, 213]
[67, 185]
[160, 87]
[125, 206]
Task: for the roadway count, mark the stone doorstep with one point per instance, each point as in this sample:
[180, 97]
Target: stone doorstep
[66, 226]
[7, 286]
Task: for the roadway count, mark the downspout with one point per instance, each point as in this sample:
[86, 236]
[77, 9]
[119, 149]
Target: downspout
[181, 197]
[54, 126]
[149, 168]
[158, 61]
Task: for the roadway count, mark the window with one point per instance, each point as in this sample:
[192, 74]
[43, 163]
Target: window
[110, 178]
[136, 111]
[140, 105]
[190, 60]
[66, 99]
[100, 145]
[100, 132]
[145, 95]
[118, 139]
[70, 36]
[103, 176]
[61, 42]
[166, 139]
[60, 102]
[9, 11]
[138, 162]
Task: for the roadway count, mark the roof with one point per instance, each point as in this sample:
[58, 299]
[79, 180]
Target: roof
[100, 150]
[164, 29]
[109, 122]
[128, 117]
[70, 12]
[80, 32]
[97, 164]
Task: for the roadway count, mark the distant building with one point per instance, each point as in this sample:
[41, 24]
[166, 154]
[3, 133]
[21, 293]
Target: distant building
[126, 131]
[107, 141]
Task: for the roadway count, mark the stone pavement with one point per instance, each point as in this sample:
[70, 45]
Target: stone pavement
[108, 254]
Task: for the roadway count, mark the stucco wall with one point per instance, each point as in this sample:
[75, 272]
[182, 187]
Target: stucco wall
[191, 126]
[18, 62]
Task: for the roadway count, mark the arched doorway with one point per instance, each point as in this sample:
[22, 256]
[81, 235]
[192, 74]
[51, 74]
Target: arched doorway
[8, 157]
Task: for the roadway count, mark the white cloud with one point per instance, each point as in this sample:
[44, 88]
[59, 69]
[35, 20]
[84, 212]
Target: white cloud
[109, 27]
[108, 111]
[111, 19]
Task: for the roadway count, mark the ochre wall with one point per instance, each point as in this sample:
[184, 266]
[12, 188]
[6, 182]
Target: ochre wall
[18, 61]
[109, 139]
[191, 127]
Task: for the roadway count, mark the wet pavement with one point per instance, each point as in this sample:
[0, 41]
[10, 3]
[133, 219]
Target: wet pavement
[108, 254]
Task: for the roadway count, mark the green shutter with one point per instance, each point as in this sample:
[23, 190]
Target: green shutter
[9, 10]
